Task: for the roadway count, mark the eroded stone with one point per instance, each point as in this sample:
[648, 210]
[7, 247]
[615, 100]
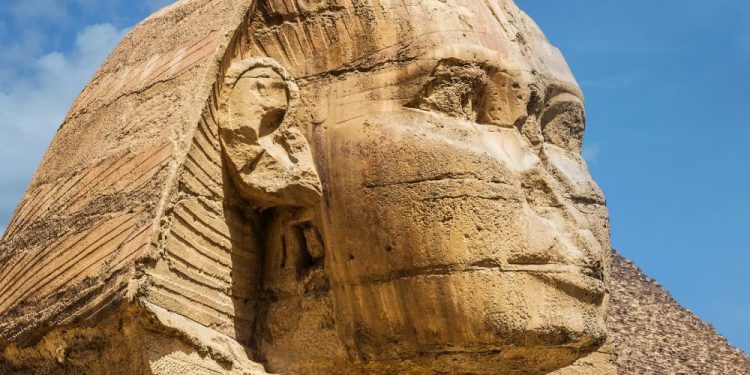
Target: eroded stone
[319, 188]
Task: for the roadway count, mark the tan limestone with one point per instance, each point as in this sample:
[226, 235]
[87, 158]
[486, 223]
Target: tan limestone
[318, 187]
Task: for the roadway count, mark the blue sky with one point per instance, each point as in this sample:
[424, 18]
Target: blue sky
[48, 51]
[668, 139]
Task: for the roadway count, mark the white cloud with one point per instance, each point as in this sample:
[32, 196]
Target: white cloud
[49, 11]
[33, 106]
[17, 50]
[591, 153]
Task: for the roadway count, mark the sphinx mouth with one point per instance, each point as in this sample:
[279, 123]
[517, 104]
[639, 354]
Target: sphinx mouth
[584, 283]
[555, 268]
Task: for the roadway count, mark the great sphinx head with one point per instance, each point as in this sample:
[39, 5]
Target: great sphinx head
[418, 164]
[318, 186]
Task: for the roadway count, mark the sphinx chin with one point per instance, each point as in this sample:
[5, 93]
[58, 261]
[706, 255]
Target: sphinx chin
[545, 350]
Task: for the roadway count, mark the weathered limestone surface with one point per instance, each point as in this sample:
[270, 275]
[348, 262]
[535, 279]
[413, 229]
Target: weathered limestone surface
[330, 187]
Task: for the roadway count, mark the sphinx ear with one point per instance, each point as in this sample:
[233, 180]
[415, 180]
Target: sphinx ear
[267, 154]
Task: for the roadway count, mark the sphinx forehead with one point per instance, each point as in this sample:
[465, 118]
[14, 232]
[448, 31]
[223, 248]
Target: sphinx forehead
[315, 38]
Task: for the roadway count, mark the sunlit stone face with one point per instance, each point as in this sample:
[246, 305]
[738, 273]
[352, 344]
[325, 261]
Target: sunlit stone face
[459, 220]
[451, 231]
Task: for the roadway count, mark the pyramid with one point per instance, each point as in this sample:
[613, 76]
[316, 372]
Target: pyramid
[652, 334]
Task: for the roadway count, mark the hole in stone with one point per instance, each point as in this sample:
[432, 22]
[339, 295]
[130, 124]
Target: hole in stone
[305, 261]
[271, 121]
[283, 252]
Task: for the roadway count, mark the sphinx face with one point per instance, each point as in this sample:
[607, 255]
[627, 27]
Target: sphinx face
[448, 233]
[458, 219]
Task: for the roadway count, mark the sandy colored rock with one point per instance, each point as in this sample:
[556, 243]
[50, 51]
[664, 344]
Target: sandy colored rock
[327, 188]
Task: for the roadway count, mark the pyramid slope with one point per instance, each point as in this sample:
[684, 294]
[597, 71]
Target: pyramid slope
[653, 334]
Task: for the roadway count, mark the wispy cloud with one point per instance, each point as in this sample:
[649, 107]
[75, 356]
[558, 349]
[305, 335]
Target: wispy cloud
[47, 54]
[17, 50]
[33, 105]
[49, 11]
[591, 153]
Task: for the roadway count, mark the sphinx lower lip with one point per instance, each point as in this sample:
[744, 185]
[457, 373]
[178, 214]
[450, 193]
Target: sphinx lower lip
[574, 280]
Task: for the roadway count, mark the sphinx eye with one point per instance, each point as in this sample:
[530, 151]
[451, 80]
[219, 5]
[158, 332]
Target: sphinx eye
[456, 90]
[563, 122]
